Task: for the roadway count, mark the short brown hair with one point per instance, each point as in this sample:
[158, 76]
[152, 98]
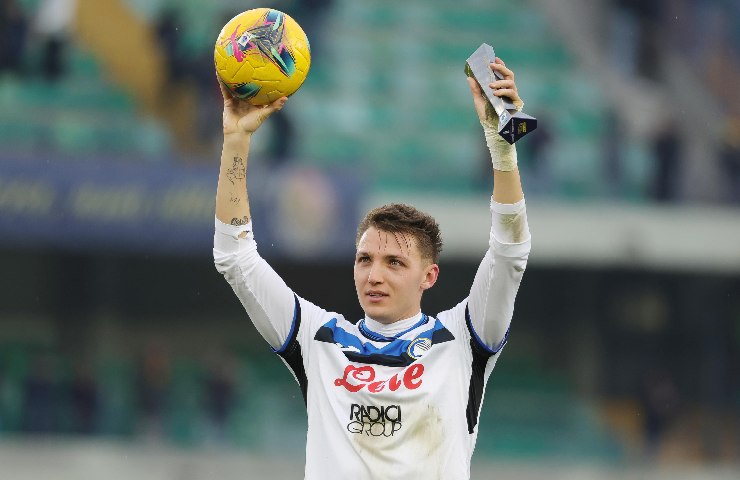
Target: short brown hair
[402, 218]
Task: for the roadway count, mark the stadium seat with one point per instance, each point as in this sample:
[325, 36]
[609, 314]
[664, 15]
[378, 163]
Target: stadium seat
[390, 84]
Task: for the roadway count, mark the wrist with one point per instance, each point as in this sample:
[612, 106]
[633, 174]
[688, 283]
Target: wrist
[237, 138]
[503, 155]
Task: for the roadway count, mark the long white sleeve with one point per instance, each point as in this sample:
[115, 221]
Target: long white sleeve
[491, 299]
[269, 302]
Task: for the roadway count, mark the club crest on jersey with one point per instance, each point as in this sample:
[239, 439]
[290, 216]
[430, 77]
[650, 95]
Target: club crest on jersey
[419, 347]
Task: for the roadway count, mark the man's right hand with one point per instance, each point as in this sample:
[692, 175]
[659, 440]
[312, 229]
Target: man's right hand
[240, 116]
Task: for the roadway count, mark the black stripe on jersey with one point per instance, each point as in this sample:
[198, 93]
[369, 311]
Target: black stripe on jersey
[441, 336]
[326, 334]
[477, 378]
[291, 351]
[403, 360]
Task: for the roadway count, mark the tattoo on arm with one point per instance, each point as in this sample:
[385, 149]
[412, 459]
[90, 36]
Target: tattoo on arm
[235, 200]
[238, 170]
[238, 222]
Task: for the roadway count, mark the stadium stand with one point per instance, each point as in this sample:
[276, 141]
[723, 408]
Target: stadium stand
[385, 96]
[82, 114]
[387, 93]
[401, 103]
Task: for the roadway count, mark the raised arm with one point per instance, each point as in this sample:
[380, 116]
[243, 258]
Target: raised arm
[491, 299]
[270, 303]
[241, 120]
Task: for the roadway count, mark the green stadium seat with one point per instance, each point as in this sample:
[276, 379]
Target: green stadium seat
[20, 135]
[84, 67]
[389, 88]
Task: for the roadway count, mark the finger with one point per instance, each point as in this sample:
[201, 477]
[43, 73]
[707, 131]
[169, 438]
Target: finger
[277, 105]
[474, 87]
[507, 92]
[503, 84]
[503, 70]
[225, 92]
[266, 110]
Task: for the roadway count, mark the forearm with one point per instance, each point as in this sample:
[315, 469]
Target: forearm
[232, 201]
[507, 186]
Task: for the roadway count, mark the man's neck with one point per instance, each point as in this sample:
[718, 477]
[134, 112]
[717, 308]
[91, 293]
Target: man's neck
[393, 328]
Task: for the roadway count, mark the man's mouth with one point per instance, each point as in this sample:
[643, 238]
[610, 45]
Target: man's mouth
[375, 295]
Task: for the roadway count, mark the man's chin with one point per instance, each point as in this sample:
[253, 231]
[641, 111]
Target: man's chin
[378, 314]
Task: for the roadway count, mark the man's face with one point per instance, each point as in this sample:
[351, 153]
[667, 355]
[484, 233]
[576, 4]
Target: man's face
[390, 275]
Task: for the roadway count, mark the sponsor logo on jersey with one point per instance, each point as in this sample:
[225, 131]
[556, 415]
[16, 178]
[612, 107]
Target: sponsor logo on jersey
[374, 421]
[355, 379]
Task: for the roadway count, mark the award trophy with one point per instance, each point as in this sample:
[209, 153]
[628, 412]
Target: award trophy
[512, 124]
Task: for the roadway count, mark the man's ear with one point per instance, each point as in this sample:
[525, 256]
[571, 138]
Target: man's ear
[430, 277]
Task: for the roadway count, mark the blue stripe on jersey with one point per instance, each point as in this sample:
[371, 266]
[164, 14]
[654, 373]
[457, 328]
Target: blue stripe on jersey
[291, 333]
[395, 353]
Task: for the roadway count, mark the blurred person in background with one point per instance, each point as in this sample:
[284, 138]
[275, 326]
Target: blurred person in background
[281, 142]
[613, 155]
[311, 15]
[730, 157]
[636, 36]
[153, 387]
[220, 395]
[41, 396]
[84, 396]
[167, 27]
[667, 150]
[13, 31]
[53, 26]
[538, 166]
[397, 394]
[659, 399]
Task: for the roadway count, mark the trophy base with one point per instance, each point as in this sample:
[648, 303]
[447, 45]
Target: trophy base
[514, 125]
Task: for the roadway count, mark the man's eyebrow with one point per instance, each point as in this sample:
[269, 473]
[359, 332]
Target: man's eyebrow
[396, 257]
[390, 256]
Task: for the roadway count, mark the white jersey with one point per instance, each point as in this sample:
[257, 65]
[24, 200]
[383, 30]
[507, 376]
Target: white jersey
[398, 401]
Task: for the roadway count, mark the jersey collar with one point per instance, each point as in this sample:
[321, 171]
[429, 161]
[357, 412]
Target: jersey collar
[381, 332]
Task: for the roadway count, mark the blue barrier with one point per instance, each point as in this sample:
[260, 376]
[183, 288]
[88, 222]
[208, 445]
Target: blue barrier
[169, 208]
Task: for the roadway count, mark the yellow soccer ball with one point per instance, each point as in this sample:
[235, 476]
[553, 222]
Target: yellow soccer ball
[261, 55]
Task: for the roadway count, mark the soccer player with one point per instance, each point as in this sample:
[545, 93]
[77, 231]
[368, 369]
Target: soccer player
[397, 394]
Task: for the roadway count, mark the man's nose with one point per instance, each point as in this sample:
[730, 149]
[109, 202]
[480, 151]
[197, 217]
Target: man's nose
[375, 275]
